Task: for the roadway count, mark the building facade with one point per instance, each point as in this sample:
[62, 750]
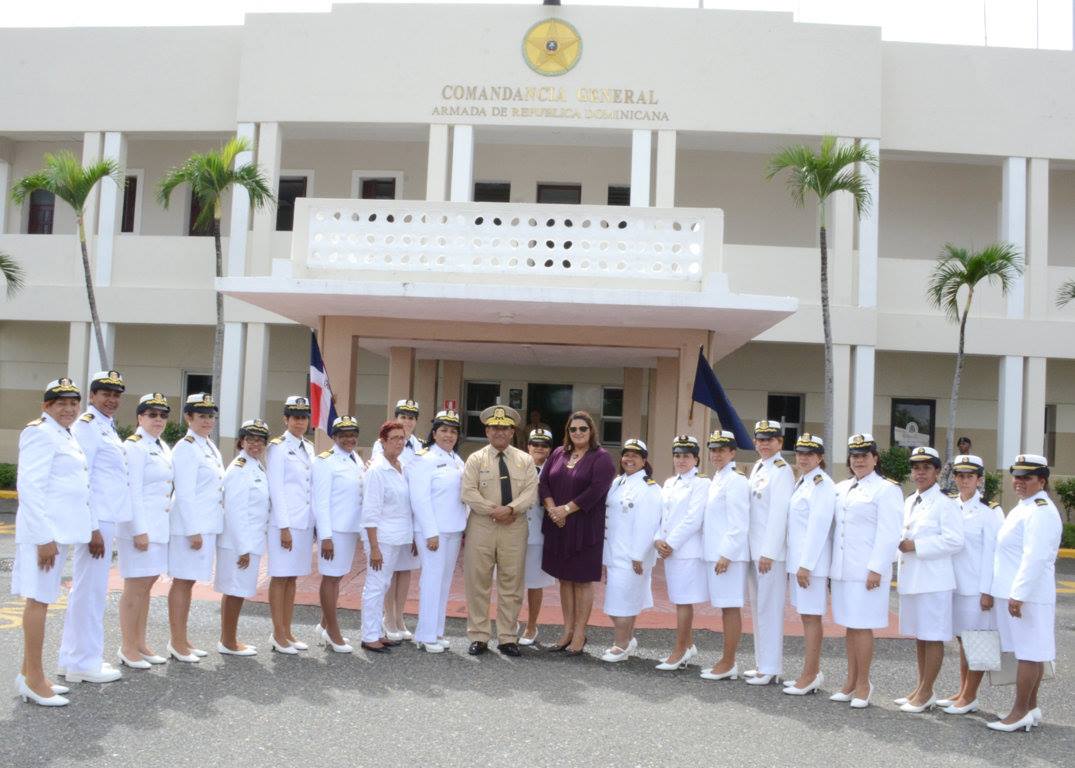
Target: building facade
[556, 207]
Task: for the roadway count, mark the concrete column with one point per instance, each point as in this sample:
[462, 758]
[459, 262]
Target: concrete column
[641, 157]
[111, 208]
[1009, 409]
[862, 390]
[339, 348]
[841, 391]
[91, 153]
[1013, 224]
[437, 164]
[400, 376]
[633, 393]
[841, 241]
[231, 385]
[1033, 440]
[425, 392]
[5, 192]
[663, 416]
[255, 371]
[462, 184]
[665, 186]
[78, 348]
[1036, 276]
[270, 142]
[452, 372]
[239, 227]
[868, 236]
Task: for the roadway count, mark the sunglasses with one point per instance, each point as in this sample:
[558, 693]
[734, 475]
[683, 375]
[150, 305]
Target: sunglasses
[577, 430]
[156, 415]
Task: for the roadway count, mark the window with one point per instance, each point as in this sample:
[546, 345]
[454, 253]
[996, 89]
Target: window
[192, 225]
[193, 383]
[492, 192]
[130, 219]
[480, 395]
[619, 194]
[42, 207]
[377, 185]
[612, 415]
[912, 422]
[560, 194]
[788, 410]
[291, 188]
[1050, 432]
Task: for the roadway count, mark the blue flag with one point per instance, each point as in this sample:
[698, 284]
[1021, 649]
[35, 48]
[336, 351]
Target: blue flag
[709, 392]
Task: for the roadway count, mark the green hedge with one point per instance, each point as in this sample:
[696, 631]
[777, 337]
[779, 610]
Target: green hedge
[1067, 538]
[1065, 494]
[7, 477]
[895, 463]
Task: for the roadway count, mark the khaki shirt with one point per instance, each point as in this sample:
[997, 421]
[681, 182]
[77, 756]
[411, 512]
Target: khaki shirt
[481, 480]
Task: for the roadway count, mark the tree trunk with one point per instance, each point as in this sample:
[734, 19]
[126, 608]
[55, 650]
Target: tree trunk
[218, 337]
[91, 298]
[826, 326]
[950, 442]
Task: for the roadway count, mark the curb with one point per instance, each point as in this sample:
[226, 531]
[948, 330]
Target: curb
[9, 494]
[1067, 554]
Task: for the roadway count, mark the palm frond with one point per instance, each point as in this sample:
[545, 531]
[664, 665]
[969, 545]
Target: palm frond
[209, 176]
[65, 177]
[12, 273]
[833, 168]
[1066, 293]
[958, 268]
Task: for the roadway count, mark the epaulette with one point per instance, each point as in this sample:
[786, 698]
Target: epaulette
[189, 438]
[134, 438]
[86, 417]
[818, 479]
[992, 504]
[780, 463]
[889, 480]
[421, 452]
[953, 494]
[276, 440]
[35, 423]
[324, 454]
[1041, 502]
[650, 481]
[740, 472]
[240, 461]
[702, 475]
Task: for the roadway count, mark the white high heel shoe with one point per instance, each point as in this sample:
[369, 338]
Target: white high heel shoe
[668, 666]
[759, 679]
[900, 701]
[811, 687]
[952, 709]
[290, 650]
[344, 647]
[429, 647]
[857, 703]
[1023, 724]
[199, 652]
[55, 700]
[395, 637]
[909, 707]
[224, 650]
[1035, 713]
[841, 697]
[523, 639]
[189, 658]
[60, 689]
[624, 654]
[132, 663]
[153, 658]
[731, 674]
[445, 643]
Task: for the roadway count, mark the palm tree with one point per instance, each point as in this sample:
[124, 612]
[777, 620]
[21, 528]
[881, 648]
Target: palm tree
[64, 176]
[12, 274]
[958, 269]
[210, 176]
[833, 169]
[1066, 293]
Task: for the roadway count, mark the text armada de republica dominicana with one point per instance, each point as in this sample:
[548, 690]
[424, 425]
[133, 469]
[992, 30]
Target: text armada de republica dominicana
[550, 101]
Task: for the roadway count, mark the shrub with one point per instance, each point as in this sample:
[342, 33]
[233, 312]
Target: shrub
[1065, 492]
[7, 477]
[124, 431]
[1067, 538]
[991, 491]
[173, 432]
[895, 463]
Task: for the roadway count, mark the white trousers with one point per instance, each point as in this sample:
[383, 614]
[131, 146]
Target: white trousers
[767, 595]
[373, 591]
[435, 584]
[82, 646]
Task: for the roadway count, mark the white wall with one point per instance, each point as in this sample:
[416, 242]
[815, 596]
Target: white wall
[1062, 218]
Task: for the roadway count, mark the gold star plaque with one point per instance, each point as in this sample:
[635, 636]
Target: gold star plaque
[552, 47]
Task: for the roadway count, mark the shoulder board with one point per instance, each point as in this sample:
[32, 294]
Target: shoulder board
[888, 480]
[276, 440]
[818, 479]
[650, 481]
[992, 505]
[240, 461]
[740, 472]
[87, 417]
[134, 438]
[421, 452]
[324, 454]
[188, 439]
[1041, 502]
[35, 423]
[702, 475]
[953, 494]
[780, 463]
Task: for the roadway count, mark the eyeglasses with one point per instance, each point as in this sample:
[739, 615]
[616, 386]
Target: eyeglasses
[577, 430]
[156, 415]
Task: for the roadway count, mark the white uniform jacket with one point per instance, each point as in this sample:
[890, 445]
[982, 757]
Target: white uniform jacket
[435, 480]
[1024, 566]
[198, 504]
[632, 516]
[869, 519]
[338, 480]
[110, 496]
[682, 511]
[386, 504]
[288, 466]
[771, 484]
[726, 524]
[246, 507]
[53, 485]
[534, 516]
[410, 450]
[149, 468]
[974, 563]
[810, 515]
[935, 524]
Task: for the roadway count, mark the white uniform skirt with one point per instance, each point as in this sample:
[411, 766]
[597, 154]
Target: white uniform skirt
[967, 614]
[296, 561]
[727, 590]
[809, 601]
[408, 561]
[232, 580]
[686, 580]
[191, 564]
[1031, 638]
[855, 607]
[927, 616]
[626, 592]
[30, 581]
[344, 544]
[535, 577]
[135, 564]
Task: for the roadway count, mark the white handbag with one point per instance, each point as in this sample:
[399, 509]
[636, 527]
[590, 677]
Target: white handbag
[1009, 668]
[982, 649]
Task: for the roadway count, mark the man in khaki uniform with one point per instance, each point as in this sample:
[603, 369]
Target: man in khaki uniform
[499, 485]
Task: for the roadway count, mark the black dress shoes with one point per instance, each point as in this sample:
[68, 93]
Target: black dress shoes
[509, 649]
[375, 648]
[477, 648]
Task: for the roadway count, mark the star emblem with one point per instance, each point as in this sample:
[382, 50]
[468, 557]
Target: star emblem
[552, 47]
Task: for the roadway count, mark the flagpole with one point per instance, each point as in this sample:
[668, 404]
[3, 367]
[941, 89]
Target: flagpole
[690, 411]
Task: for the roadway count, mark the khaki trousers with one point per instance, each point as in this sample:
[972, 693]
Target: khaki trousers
[492, 545]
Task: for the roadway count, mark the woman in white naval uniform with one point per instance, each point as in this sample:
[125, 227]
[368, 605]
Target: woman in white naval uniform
[810, 513]
[143, 541]
[395, 627]
[338, 477]
[972, 602]
[388, 521]
[932, 536]
[246, 522]
[727, 549]
[1024, 585]
[197, 518]
[679, 544]
[539, 446]
[435, 480]
[53, 514]
[632, 516]
[291, 528]
[82, 644]
[869, 518]
[771, 484]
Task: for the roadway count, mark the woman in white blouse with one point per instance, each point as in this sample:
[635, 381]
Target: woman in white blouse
[869, 515]
[972, 602]
[633, 512]
[338, 477]
[539, 446]
[435, 480]
[389, 526]
[679, 544]
[143, 542]
[1024, 584]
[810, 514]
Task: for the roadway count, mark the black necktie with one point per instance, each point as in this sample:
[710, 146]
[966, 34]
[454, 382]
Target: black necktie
[916, 500]
[505, 481]
[800, 482]
[159, 444]
[351, 456]
[854, 485]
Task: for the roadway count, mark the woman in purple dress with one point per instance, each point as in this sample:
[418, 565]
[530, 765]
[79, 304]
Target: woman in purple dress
[574, 483]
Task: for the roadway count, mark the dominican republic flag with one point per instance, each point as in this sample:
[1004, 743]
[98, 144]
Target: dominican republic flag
[322, 406]
[709, 392]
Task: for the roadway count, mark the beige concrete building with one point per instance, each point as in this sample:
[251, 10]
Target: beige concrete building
[477, 203]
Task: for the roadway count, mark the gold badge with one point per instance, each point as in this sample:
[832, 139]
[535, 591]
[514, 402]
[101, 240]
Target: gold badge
[552, 47]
